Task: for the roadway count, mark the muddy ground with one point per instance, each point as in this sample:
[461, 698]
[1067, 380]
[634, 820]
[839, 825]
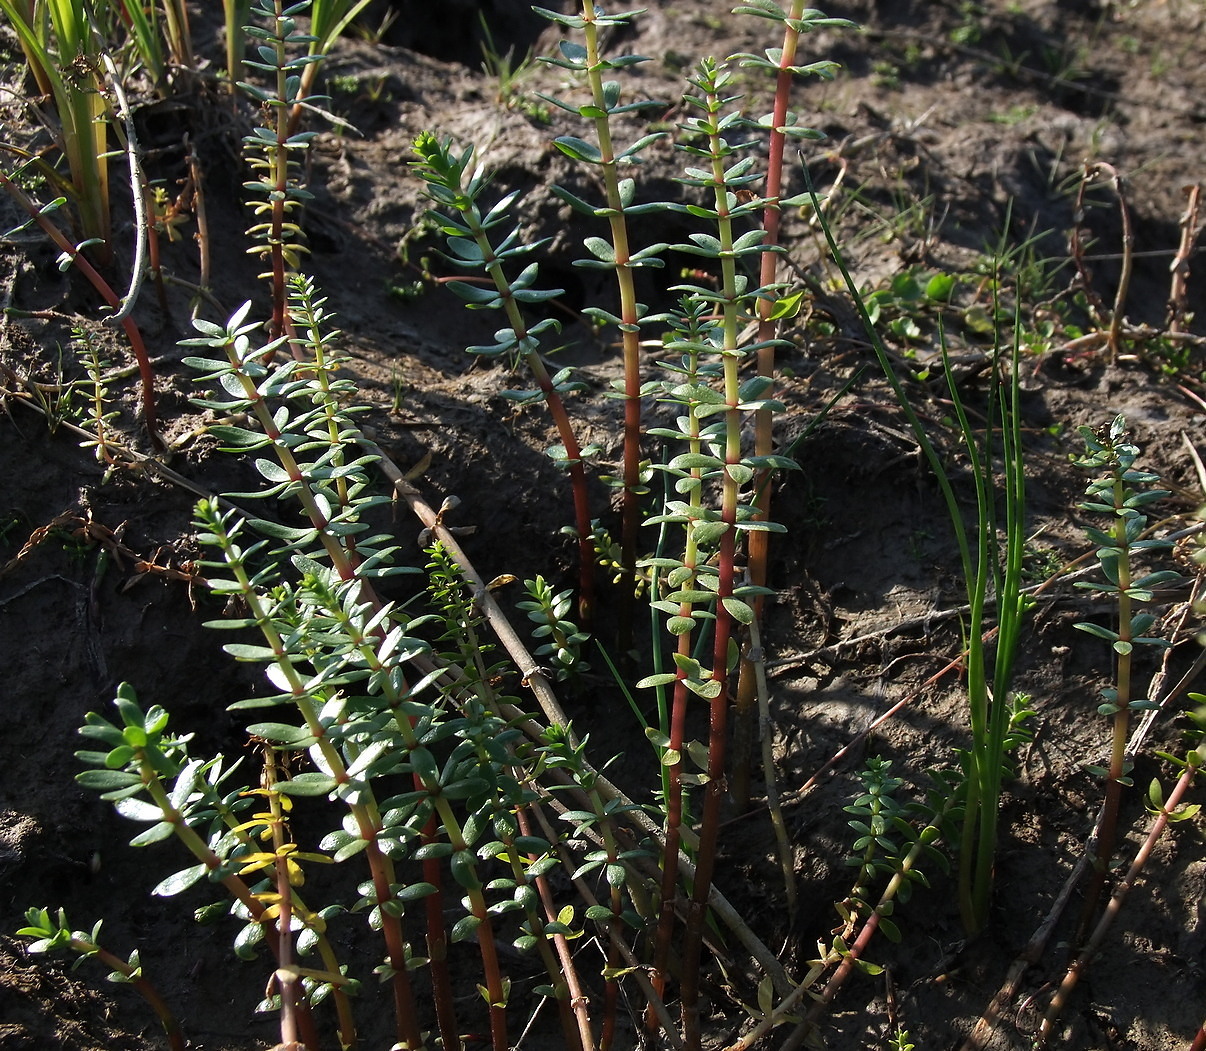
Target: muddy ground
[954, 131]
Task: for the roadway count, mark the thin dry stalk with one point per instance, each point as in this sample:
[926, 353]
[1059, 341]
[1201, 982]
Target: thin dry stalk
[1178, 294]
[194, 171]
[1116, 323]
[138, 268]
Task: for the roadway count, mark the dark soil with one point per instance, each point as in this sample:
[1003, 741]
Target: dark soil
[954, 130]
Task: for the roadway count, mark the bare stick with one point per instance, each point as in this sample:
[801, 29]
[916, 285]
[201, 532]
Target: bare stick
[1128, 262]
[194, 168]
[1178, 292]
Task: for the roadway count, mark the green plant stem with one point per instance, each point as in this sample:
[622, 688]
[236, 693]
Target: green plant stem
[279, 160]
[67, 69]
[448, 186]
[195, 844]
[180, 44]
[783, 1010]
[978, 845]
[672, 771]
[341, 559]
[309, 314]
[133, 334]
[630, 333]
[478, 907]
[328, 20]
[236, 14]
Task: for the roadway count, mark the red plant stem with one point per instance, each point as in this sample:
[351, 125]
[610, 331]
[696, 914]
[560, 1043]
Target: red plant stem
[145, 372]
[491, 970]
[759, 540]
[565, 429]
[1081, 964]
[293, 1018]
[677, 740]
[287, 980]
[851, 957]
[1199, 1041]
[437, 941]
[171, 1025]
[1104, 849]
[578, 485]
[581, 1038]
[844, 969]
[715, 788]
[674, 822]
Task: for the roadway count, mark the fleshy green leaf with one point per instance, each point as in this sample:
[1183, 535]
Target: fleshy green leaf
[180, 881]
